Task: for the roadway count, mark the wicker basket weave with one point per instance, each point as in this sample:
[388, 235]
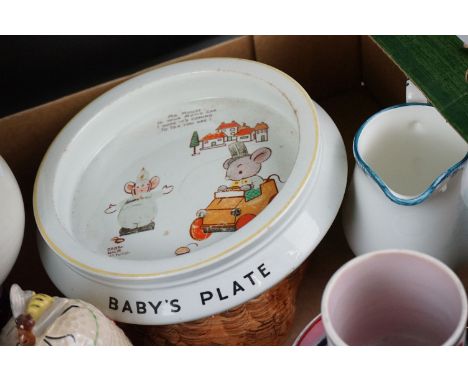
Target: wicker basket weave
[264, 320]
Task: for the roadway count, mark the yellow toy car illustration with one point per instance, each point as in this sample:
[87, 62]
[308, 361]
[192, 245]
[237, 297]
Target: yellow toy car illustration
[232, 209]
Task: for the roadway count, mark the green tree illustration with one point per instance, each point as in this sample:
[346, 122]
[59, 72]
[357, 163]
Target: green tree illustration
[194, 142]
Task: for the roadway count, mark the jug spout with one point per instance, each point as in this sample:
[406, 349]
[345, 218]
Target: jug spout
[409, 151]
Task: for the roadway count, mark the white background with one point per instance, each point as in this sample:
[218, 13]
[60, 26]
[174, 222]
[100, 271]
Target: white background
[233, 17]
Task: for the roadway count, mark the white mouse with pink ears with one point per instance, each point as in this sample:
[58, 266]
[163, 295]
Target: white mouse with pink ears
[138, 212]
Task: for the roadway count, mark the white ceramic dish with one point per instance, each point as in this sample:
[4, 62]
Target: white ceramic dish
[11, 220]
[132, 206]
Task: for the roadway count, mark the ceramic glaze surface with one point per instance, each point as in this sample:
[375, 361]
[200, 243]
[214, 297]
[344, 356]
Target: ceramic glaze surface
[406, 190]
[313, 334]
[11, 219]
[394, 297]
[188, 190]
[409, 147]
[154, 223]
[42, 320]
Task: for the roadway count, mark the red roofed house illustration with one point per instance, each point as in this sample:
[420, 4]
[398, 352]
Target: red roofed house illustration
[245, 134]
[233, 131]
[261, 132]
[230, 129]
[213, 140]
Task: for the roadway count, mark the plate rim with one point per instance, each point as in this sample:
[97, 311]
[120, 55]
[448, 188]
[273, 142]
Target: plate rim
[119, 91]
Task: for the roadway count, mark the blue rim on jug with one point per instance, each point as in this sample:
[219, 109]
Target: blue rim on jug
[369, 171]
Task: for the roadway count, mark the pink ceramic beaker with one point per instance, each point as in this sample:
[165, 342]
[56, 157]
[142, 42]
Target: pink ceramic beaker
[394, 297]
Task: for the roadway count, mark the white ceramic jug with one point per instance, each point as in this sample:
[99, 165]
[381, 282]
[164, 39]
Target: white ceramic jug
[407, 187]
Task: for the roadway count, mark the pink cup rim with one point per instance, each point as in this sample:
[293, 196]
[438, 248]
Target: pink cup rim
[331, 332]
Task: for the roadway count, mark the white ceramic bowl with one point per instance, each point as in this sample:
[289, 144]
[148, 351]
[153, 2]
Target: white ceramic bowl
[11, 220]
[132, 206]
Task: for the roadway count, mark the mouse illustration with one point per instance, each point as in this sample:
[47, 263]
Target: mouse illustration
[137, 213]
[236, 205]
[242, 168]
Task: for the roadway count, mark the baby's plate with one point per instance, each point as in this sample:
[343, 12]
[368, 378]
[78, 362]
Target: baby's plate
[11, 220]
[188, 190]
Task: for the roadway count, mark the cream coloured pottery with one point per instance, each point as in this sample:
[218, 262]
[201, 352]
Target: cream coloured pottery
[42, 320]
[11, 220]
[188, 190]
[407, 188]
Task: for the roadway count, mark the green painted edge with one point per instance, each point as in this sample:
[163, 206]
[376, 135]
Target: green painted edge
[438, 66]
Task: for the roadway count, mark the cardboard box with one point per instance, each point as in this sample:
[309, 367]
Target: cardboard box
[349, 76]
